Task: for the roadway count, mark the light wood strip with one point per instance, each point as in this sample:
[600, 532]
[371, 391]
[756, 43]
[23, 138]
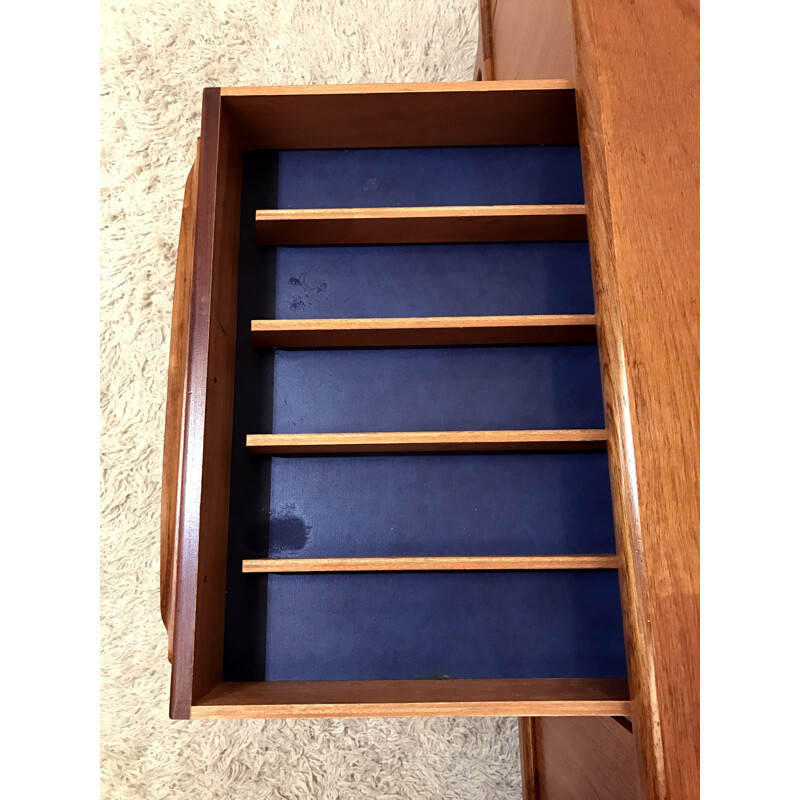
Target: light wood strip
[521, 88]
[426, 563]
[420, 224]
[540, 697]
[411, 331]
[424, 441]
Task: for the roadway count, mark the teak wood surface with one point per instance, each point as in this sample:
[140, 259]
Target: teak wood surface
[424, 563]
[638, 108]
[176, 402]
[577, 757]
[518, 113]
[525, 39]
[416, 331]
[404, 115]
[422, 224]
[484, 63]
[527, 758]
[203, 493]
[573, 697]
[425, 441]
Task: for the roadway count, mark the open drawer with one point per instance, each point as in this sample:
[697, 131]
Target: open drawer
[386, 487]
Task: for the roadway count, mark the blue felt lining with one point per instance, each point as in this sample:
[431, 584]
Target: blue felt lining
[429, 176]
[432, 388]
[432, 280]
[458, 504]
[416, 625]
[372, 626]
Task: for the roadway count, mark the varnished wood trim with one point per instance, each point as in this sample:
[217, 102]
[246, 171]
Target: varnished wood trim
[638, 107]
[424, 563]
[202, 548]
[194, 420]
[176, 403]
[412, 331]
[443, 87]
[424, 698]
[527, 757]
[424, 441]
[423, 224]
[485, 51]
[213, 531]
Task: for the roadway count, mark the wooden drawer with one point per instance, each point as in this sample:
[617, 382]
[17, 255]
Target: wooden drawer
[386, 487]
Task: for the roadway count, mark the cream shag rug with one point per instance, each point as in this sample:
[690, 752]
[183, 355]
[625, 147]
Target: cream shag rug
[157, 55]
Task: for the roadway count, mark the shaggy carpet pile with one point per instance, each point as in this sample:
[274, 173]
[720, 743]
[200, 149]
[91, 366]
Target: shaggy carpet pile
[156, 57]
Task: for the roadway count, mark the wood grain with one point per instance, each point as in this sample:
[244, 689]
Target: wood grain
[584, 757]
[313, 226]
[484, 66]
[190, 489]
[424, 441]
[202, 541]
[405, 115]
[416, 698]
[176, 402]
[638, 104]
[414, 331]
[424, 563]
[527, 758]
[533, 40]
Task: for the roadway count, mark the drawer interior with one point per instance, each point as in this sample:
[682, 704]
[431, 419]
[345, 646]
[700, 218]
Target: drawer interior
[405, 625]
[395, 495]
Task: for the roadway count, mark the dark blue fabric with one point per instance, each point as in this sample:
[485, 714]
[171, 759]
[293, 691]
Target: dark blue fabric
[429, 176]
[372, 626]
[416, 625]
[435, 505]
[432, 280]
[424, 389]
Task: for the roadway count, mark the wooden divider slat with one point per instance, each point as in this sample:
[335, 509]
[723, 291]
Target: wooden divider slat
[412, 331]
[426, 563]
[314, 226]
[425, 441]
